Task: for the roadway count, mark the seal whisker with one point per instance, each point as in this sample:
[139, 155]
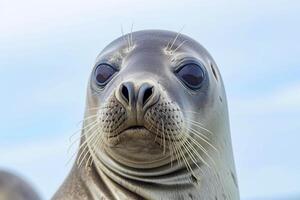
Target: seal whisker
[199, 145]
[174, 51]
[84, 144]
[187, 164]
[69, 148]
[91, 126]
[190, 111]
[199, 133]
[81, 157]
[82, 129]
[164, 139]
[175, 149]
[79, 131]
[123, 34]
[129, 45]
[213, 167]
[167, 47]
[98, 140]
[200, 125]
[178, 34]
[89, 160]
[196, 152]
[170, 149]
[156, 134]
[181, 154]
[190, 146]
[202, 149]
[198, 113]
[131, 40]
[69, 160]
[87, 164]
[203, 139]
[87, 118]
[178, 155]
[191, 153]
[100, 108]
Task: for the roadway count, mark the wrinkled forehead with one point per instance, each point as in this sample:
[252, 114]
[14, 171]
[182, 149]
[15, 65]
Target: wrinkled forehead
[152, 44]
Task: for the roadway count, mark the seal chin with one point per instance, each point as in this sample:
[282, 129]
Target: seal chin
[137, 147]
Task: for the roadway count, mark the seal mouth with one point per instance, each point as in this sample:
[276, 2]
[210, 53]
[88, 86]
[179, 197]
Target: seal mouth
[137, 146]
[142, 132]
[132, 130]
[135, 128]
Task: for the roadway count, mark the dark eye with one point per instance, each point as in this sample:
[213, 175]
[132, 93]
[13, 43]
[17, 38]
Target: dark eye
[103, 73]
[191, 75]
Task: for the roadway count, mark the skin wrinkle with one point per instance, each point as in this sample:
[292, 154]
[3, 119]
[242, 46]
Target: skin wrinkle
[168, 148]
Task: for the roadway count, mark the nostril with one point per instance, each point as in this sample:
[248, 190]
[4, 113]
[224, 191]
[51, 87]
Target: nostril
[125, 93]
[148, 93]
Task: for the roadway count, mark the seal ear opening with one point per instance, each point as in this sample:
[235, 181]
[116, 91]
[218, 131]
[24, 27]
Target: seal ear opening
[214, 71]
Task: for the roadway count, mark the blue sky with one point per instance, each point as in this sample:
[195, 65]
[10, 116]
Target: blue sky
[47, 50]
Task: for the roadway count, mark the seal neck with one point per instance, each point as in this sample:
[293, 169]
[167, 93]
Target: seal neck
[149, 184]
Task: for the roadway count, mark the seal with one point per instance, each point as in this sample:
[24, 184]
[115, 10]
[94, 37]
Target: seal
[13, 187]
[156, 124]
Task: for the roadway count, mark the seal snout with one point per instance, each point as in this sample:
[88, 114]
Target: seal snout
[137, 99]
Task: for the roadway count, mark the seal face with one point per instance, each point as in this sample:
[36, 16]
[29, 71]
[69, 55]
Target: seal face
[156, 123]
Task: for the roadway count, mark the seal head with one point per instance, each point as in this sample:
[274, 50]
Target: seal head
[156, 123]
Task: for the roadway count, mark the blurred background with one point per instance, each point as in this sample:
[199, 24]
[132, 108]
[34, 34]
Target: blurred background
[47, 49]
